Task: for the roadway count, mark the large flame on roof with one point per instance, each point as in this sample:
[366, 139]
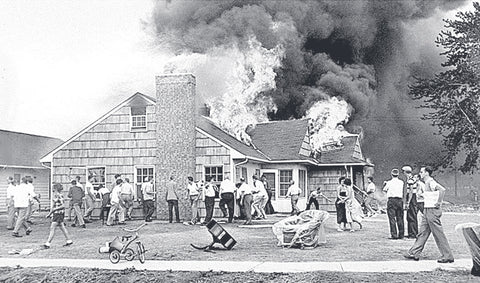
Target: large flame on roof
[327, 118]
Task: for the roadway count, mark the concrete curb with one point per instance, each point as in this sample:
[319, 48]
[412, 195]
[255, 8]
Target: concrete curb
[244, 266]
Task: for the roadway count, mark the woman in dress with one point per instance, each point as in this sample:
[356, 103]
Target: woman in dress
[340, 205]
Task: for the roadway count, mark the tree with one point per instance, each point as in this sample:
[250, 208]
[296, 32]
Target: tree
[453, 95]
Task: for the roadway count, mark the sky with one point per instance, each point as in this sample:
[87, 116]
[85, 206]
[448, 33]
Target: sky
[63, 64]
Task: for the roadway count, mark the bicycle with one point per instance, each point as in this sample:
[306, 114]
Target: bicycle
[122, 247]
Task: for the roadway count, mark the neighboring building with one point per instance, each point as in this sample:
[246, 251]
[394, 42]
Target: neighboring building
[19, 157]
[144, 137]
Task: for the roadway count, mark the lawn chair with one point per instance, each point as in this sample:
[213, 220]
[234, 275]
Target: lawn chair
[219, 235]
[305, 230]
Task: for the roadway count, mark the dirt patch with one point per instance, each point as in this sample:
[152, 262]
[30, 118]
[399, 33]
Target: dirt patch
[131, 275]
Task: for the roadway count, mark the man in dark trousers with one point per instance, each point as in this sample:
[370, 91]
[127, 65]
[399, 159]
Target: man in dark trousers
[76, 195]
[394, 190]
[411, 203]
[431, 224]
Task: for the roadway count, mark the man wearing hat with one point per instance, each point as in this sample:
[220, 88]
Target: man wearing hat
[394, 190]
[411, 204]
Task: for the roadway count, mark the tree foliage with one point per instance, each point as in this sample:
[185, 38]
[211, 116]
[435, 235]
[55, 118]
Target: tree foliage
[453, 95]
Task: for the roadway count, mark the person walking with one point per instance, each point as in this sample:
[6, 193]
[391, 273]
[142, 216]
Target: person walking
[268, 206]
[127, 196]
[227, 197]
[420, 191]
[116, 205]
[76, 194]
[171, 197]
[394, 190]
[148, 193]
[430, 223]
[31, 200]
[105, 197]
[89, 200]
[246, 200]
[193, 194]
[313, 199]
[294, 193]
[10, 203]
[57, 212]
[370, 196]
[209, 193]
[259, 198]
[21, 199]
[411, 203]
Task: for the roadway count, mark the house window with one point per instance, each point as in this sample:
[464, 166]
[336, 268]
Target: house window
[214, 171]
[99, 177]
[143, 174]
[241, 172]
[285, 177]
[139, 118]
[302, 181]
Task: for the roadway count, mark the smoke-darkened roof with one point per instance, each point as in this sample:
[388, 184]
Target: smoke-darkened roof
[24, 150]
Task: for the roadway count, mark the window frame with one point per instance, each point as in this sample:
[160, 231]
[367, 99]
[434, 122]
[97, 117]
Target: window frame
[137, 185]
[217, 180]
[96, 185]
[283, 185]
[133, 122]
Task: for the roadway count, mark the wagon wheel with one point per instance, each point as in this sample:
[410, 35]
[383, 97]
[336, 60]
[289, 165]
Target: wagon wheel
[114, 256]
[129, 254]
[141, 252]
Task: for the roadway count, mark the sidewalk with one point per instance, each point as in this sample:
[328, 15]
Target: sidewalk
[244, 266]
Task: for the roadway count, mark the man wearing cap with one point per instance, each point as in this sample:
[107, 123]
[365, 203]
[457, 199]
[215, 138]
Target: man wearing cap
[431, 220]
[394, 190]
[411, 204]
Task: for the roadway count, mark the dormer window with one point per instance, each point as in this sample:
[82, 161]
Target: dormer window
[138, 118]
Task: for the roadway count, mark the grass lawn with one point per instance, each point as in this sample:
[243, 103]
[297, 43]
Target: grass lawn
[164, 241]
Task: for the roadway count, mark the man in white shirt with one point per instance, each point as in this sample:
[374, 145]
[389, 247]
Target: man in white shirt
[148, 192]
[294, 193]
[21, 198]
[431, 223]
[89, 199]
[9, 203]
[193, 195]
[32, 198]
[227, 197]
[127, 195]
[394, 190]
[246, 200]
[117, 205]
[260, 197]
[209, 194]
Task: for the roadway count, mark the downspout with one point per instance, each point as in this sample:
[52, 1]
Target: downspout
[241, 163]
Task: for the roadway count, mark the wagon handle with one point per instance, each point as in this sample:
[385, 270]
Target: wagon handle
[136, 229]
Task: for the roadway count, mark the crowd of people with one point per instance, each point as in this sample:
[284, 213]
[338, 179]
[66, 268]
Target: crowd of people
[413, 193]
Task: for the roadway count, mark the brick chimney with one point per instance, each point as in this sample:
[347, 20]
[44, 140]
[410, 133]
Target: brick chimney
[175, 138]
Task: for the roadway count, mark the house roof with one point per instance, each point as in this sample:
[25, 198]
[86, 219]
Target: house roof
[275, 141]
[281, 140]
[24, 150]
[210, 128]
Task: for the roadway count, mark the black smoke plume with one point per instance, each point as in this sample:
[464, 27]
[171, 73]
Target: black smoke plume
[353, 50]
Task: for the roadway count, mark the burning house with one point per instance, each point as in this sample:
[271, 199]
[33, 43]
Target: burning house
[164, 136]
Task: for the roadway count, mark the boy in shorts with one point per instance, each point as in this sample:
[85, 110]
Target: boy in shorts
[57, 212]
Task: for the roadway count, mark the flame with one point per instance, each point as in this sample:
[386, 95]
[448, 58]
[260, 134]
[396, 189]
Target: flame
[326, 118]
[231, 80]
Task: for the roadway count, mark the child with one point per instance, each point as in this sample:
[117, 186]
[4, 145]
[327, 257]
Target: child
[57, 212]
[313, 198]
